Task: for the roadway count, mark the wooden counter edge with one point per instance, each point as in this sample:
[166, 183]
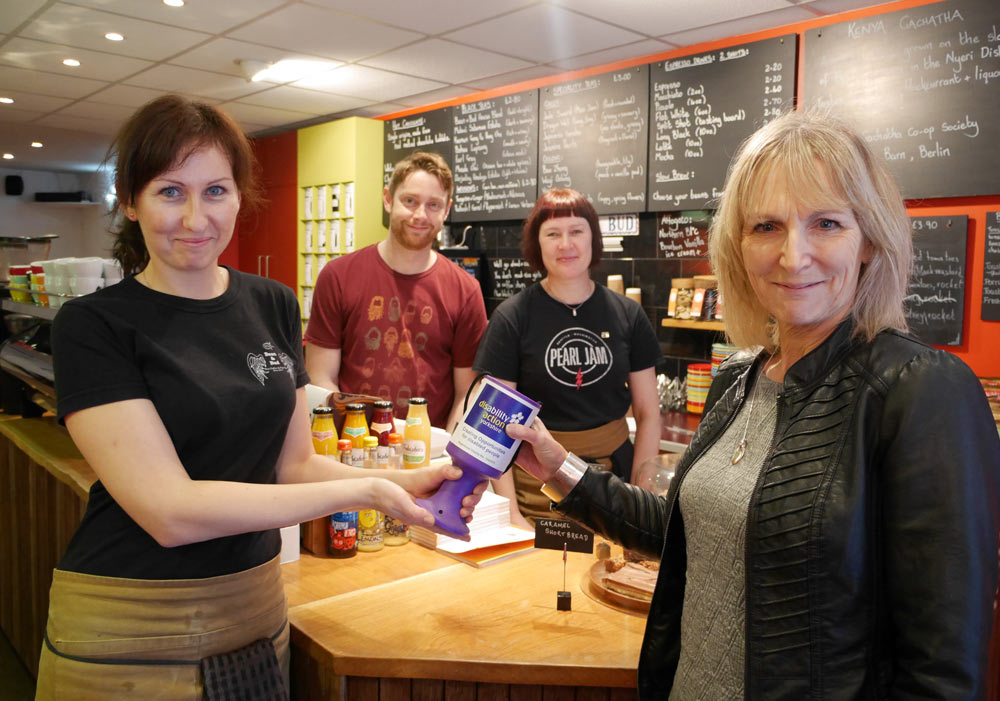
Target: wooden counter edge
[49, 444]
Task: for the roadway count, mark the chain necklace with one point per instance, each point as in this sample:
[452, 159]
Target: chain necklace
[741, 448]
[571, 307]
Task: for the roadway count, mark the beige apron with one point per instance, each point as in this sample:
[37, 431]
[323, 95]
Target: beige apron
[115, 638]
[595, 444]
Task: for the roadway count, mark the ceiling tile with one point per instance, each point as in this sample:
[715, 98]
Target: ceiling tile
[215, 17]
[85, 28]
[193, 82]
[832, 7]
[502, 79]
[737, 27]
[429, 98]
[127, 95]
[445, 61]
[44, 56]
[619, 53]
[267, 116]
[543, 33]
[99, 110]
[47, 83]
[14, 115]
[655, 17]
[315, 30]
[368, 83]
[13, 13]
[221, 55]
[31, 101]
[65, 150]
[312, 102]
[65, 121]
[374, 110]
[445, 15]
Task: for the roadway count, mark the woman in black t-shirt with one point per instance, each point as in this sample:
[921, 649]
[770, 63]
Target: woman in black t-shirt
[585, 352]
[184, 388]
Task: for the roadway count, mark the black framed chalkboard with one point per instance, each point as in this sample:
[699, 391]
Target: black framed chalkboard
[427, 131]
[592, 138]
[701, 109]
[991, 269]
[935, 300]
[923, 85]
[495, 157]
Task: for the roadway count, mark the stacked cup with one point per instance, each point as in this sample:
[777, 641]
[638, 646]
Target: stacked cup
[721, 351]
[20, 283]
[86, 275]
[699, 379]
[112, 272]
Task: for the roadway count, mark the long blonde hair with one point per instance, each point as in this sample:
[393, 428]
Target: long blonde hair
[824, 158]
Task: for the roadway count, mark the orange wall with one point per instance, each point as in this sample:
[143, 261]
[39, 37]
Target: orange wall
[980, 339]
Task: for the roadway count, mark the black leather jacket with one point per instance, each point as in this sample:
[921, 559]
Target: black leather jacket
[871, 556]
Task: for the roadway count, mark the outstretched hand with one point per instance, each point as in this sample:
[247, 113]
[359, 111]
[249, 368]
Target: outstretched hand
[540, 453]
[423, 482]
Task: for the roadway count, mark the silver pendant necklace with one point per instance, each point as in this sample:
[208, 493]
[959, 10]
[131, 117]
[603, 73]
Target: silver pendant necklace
[741, 448]
[572, 307]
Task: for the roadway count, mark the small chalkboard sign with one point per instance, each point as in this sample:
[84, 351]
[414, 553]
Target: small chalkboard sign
[555, 534]
[510, 276]
[935, 300]
[991, 269]
[682, 235]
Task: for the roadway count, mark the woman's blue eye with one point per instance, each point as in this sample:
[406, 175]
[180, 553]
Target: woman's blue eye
[828, 224]
[216, 190]
[170, 192]
[764, 227]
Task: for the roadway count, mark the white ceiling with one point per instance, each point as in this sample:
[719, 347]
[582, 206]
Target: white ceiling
[386, 56]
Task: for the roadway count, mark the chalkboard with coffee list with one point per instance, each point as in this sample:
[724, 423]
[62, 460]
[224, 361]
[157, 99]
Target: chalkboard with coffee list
[427, 131]
[935, 300]
[682, 234]
[495, 157]
[923, 86]
[701, 109]
[991, 269]
[510, 276]
[592, 138]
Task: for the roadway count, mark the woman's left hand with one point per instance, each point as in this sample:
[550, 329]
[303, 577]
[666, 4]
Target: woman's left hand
[424, 481]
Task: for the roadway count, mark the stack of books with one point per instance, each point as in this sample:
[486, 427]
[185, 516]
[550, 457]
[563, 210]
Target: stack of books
[492, 538]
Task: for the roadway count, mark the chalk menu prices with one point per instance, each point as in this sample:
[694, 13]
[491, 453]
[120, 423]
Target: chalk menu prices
[701, 109]
[991, 269]
[496, 157]
[682, 234]
[936, 297]
[427, 131]
[923, 85]
[592, 138]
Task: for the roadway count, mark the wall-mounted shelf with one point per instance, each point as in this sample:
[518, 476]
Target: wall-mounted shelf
[30, 309]
[691, 324]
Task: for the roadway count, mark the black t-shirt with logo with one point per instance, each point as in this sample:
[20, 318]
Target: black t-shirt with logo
[576, 366]
[222, 374]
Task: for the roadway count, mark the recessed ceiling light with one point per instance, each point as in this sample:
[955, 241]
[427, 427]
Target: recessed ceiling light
[7, 100]
[114, 36]
[36, 144]
[70, 62]
[174, 3]
[8, 156]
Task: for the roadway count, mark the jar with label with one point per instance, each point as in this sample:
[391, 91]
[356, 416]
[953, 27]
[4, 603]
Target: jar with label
[395, 531]
[356, 428]
[417, 435]
[370, 536]
[381, 427]
[324, 433]
[342, 537]
[681, 296]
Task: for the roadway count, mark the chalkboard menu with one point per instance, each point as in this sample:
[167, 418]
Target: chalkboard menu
[511, 275]
[991, 269]
[923, 85]
[496, 157]
[702, 107]
[936, 296]
[682, 235]
[428, 131]
[592, 138]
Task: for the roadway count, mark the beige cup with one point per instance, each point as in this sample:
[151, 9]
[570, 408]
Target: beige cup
[635, 294]
[616, 284]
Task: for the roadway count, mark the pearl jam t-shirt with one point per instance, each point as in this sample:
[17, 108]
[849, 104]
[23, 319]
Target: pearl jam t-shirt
[222, 374]
[576, 366]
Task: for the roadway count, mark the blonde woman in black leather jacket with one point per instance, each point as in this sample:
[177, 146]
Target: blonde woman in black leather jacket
[832, 531]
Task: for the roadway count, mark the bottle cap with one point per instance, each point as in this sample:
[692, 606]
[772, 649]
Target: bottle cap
[371, 442]
[417, 400]
[382, 404]
[355, 407]
[344, 444]
[322, 410]
[395, 438]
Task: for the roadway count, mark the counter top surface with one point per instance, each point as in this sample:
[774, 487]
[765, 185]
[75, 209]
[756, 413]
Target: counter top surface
[49, 444]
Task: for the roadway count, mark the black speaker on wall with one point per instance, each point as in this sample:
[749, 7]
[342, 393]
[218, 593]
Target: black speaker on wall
[13, 185]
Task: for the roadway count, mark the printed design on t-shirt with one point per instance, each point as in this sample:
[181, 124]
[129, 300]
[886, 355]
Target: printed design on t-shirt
[420, 341]
[271, 360]
[372, 338]
[406, 345]
[426, 315]
[384, 393]
[390, 337]
[368, 369]
[395, 372]
[375, 308]
[403, 396]
[395, 309]
[577, 357]
[410, 313]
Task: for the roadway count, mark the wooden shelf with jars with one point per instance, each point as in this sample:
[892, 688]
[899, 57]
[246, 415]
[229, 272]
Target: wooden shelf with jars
[693, 324]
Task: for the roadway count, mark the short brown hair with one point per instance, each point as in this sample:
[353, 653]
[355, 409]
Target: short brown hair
[559, 202]
[428, 162]
[826, 159]
[160, 135]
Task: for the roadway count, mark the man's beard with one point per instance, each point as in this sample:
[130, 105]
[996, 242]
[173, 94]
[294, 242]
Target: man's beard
[412, 241]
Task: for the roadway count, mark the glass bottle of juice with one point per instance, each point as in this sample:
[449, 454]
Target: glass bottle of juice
[417, 435]
[343, 528]
[324, 433]
[381, 427]
[395, 532]
[356, 428]
[369, 520]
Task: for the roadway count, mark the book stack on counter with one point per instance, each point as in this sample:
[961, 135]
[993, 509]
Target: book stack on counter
[492, 538]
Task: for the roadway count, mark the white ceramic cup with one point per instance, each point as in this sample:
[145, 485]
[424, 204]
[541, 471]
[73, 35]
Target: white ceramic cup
[85, 285]
[86, 267]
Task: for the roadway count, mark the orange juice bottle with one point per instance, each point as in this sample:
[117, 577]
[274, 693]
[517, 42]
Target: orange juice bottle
[324, 433]
[356, 428]
[417, 435]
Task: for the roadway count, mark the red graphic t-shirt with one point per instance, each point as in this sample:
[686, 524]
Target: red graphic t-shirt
[400, 335]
